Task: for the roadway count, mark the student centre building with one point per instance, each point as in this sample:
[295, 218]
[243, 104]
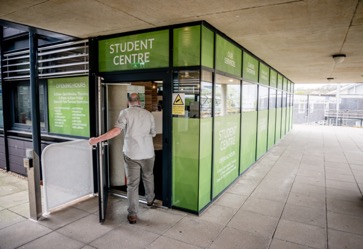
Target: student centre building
[217, 107]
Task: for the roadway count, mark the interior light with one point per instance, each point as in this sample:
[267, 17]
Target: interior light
[339, 58]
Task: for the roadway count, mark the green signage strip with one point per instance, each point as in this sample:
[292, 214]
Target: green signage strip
[273, 78]
[68, 103]
[186, 46]
[264, 74]
[250, 67]
[141, 51]
[228, 57]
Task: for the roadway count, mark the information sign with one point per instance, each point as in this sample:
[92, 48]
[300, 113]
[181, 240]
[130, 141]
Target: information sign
[68, 103]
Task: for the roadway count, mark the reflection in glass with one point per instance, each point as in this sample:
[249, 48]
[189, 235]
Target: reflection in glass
[279, 99]
[249, 97]
[23, 104]
[188, 82]
[272, 101]
[227, 96]
[1, 107]
[206, 100]
[262, 98]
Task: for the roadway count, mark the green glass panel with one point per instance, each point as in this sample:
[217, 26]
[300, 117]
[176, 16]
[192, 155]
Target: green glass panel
[186, 46]
[271, 127]
[68, 103]
[288, 119]
[291, 117]
[264, 74]
[185, 161]
[207, 47]
[284, 84]
[250, 67]
[226, 151]
[262, 133]
[228, 57]
[248, 143]
[140, 51]
[278, 124]
[273, 78]
[283, 121]
[279, 81]
[205, 165]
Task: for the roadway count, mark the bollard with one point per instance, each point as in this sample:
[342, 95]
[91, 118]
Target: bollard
[35, 207]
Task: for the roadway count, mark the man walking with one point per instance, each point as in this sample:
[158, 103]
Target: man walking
[138, 126]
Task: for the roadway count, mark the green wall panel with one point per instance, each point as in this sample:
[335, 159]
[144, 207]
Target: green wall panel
[248, 139]
[264, 74]
[226, 151]
[262, 132]
[207, 47]
[185, 161]
[291, 116]
[228, 57]
[273, 78]
[279, 81]
[271, 127]
[205, 166]
[250, 67]
[283, 121]
[288, 119]
[186, 46]
[278, 124]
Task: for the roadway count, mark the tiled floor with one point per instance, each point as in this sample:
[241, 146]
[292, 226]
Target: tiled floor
[306, 192]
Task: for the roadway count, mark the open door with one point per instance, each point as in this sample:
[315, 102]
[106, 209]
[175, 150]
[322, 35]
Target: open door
[150, 93]
[102, 152]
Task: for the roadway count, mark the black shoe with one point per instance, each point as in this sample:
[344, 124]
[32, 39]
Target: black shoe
[151, 202]
[132, 219]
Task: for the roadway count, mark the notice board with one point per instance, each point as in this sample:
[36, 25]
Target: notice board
[68, 106]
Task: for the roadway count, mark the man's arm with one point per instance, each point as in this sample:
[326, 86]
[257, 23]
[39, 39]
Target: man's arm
[108, 135]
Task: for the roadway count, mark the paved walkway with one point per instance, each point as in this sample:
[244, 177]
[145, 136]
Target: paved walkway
[306, 192]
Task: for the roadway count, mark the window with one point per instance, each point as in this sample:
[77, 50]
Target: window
[302, 106]
[249, 97]
[187, 84]
[262, 98]
[22, 101]
[227, 96]
[272, 100]
[206, 100]
[1, 108]
[279, 99]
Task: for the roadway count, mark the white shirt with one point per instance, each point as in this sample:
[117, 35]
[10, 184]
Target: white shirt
[139, 129]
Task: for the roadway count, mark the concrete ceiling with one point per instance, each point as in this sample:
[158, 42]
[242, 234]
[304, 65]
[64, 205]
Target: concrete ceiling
[296, 37]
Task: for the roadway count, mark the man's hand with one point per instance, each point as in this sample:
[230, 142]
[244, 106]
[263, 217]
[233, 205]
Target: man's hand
[92, 141]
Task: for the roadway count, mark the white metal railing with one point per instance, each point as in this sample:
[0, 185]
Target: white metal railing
[67, 173]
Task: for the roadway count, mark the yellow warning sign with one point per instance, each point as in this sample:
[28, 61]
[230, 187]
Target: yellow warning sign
[178, 104]
[178, 100]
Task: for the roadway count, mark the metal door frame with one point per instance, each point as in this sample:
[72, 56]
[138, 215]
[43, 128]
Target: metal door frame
[155, 75]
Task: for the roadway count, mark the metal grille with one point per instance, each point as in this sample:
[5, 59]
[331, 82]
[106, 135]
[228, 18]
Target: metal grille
[63, 59]
[16, 65]
[69, 58]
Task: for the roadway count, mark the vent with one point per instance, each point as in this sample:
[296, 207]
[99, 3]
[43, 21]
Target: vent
[69, 58]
